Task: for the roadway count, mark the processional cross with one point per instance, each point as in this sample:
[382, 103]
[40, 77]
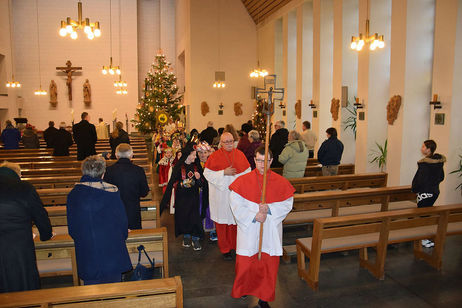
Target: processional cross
[268, 109]
[69, 69]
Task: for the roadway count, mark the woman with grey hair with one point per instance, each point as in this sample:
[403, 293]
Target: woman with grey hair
[294, 156]
[97, 222]
[254, 138]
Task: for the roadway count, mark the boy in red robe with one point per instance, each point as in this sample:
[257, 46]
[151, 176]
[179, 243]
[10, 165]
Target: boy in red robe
[165, 163]
[258, 277]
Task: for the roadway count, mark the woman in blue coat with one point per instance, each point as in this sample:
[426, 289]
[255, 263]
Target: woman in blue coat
[98, 224]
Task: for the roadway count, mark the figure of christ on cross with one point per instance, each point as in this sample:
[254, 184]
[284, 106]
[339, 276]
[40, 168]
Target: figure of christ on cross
[68, 69]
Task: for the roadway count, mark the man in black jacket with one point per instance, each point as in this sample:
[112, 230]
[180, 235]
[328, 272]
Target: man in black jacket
[277, 142]
[209, 133]
[49, 134]
[62, 141]
[131, 181]
[330, 153]
[85, 137]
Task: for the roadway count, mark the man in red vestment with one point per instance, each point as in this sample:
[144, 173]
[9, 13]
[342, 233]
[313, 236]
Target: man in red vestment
[258, 277]
[221, 169]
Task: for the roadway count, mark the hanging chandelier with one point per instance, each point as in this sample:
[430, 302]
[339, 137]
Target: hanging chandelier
[374, 41]
[39, 92]
[111, 69]
[258, 72]
[70, 26]
[219, 80]
[121, 86]
[12, 83]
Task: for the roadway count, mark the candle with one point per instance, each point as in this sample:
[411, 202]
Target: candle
[114, 114]
[72, 114]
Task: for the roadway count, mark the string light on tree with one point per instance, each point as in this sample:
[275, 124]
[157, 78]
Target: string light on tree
[160, 95]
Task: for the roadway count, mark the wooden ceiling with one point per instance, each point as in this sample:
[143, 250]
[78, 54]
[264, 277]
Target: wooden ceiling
[261, 9]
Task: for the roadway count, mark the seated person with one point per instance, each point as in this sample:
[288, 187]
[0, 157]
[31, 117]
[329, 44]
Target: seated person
[30, 139]
[98, 224]
[10, 137]
[117, 137]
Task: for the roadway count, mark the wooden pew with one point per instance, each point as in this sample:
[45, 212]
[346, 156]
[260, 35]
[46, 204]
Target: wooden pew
[317, 170]
[162, 293]
[309, 206]
[58, 218]
[378, 230]
[56, 257]
[72, 163]
[62, 171]
[46, 182]
[345, 181]
[48, 157]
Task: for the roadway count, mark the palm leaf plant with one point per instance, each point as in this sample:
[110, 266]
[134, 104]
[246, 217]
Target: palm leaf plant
[350, 121]
[459, 172]
[379, 155]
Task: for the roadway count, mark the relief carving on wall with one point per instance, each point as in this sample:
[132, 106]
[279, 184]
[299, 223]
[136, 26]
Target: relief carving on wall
[393, 109]
[334, 108]
[238, 108]
[204, 108]
[298, 108]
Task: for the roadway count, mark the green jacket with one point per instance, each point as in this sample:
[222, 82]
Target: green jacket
[294, 158]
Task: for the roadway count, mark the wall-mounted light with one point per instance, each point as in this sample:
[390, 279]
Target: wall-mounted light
[357, 104]
[436, 104]
[312, 105]
[219, 80]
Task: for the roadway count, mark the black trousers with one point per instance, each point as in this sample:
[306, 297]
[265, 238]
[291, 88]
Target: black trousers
[424, 200]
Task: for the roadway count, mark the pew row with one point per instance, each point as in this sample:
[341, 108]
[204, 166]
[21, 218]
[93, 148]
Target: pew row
[56, 257]
[345, 181]
[72, 163]
[58, 218]
[63, 171]
[310, 206]
[317, 170]
[162, 293]
[378, 230]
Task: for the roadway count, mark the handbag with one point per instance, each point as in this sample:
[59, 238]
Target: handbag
[141, 272]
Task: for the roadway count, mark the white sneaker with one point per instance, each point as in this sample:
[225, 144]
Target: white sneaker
[425, 243]
[430, 244]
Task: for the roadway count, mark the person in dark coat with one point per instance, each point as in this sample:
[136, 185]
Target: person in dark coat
[427, 179]
[330, 153]
[49, 134]
[187, 177]
[254, 138]
[62, 141]
[131, 181]
[244, 142]
[85, 137]
[20, 206]
[29, 138]
[277, 142]
[117, 137]
[209, 133]
[10, 137]
[97, 222]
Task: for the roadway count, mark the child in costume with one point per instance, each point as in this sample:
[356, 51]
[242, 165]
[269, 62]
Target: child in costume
[165, 163]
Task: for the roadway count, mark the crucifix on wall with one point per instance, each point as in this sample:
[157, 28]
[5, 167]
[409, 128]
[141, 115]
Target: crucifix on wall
[69, 70]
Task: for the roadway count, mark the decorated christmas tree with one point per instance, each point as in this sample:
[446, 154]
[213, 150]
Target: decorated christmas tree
[160, 102]
[259, 118]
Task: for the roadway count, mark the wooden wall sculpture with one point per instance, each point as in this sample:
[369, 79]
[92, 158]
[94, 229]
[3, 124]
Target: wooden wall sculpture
[53, 93]
[334, 108]
[238, 108]
[393, 109]
[298, 109]
[204, 108]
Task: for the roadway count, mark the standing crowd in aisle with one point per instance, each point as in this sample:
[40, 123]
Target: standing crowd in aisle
[211, 181]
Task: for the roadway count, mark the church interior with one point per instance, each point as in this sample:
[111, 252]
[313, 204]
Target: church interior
[386, 74]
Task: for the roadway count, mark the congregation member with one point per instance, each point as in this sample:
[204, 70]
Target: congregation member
[426, 181]
[309, 137]
[216, 140]
[244, 141]
[258, 277]
[209, 133]
[29, 138]
[229, 128]
[221, 169]
[10, 136]
[187, 178]
[50, 133]
[254, 138]
[278, 141]
[330, 153]
[203, 152]
[294, 157]
[85, 137]
[117, 137]
[102, 129]
[97, 223]
[131, 181]
[20, 207]
[62, 141]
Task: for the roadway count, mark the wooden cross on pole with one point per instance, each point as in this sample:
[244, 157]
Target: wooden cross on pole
[69, 69]
[269, 89]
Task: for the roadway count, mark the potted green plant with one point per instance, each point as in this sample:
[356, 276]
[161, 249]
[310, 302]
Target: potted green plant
[459, 172]
[350, 121]
[379, 155]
